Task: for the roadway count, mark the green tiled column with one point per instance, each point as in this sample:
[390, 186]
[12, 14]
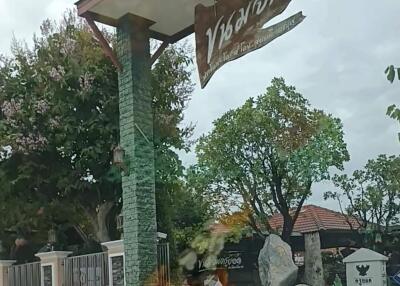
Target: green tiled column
[136, 130]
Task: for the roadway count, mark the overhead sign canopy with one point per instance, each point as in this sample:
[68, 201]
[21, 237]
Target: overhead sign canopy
[173, 19]
[225, 29]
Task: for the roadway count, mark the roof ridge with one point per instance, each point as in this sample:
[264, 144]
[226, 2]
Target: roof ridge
[345, 217]
[316, 218]
[326, 209]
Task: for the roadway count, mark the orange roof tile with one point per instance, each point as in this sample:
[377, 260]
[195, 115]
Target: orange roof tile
[314, 218]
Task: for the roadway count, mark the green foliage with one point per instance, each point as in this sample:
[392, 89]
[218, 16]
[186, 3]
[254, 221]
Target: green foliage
[393, 111]
[333, 264]
[182, 214]
[59, 107]
[337, 281]
[206, 247]
[59, 117]
[391, 73]
[269, 151]
[371, 195]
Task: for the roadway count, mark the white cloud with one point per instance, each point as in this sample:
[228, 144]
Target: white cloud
[23, 18]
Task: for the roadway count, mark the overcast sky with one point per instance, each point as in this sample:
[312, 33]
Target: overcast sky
[335, 58]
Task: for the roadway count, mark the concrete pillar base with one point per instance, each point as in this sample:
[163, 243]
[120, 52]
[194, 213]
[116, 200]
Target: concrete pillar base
[116, 262]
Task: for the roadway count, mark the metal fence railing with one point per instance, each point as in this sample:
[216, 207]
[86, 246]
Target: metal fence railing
[86, 270]
[24, 274]
[164, 272]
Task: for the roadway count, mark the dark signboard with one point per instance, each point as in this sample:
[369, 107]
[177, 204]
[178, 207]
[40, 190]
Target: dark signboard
[232, 260]
[232, 28]
[48, 275]
[117, 270]
[233, 267]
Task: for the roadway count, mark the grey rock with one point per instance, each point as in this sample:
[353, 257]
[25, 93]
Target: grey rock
[276, 266]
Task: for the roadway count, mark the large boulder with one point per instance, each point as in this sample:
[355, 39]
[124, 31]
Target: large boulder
[276, 264]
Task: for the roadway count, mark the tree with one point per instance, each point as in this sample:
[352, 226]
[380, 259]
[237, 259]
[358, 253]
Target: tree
[372, 194]
[59, 104]
[194, 213]
[269, 152]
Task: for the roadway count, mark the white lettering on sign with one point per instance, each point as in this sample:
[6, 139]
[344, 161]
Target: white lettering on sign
[232, 261]
[227, 29]
[243, 18]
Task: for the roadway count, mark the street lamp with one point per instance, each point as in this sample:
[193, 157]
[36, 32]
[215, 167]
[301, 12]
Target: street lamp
[120, 225]
[378, 237]
[52, 238]
[118, 157]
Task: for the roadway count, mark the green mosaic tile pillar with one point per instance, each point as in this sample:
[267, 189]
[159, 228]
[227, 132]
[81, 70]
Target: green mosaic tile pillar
[136, 131]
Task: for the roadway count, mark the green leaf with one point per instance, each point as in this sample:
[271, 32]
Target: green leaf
[391, 73]
[390, 109]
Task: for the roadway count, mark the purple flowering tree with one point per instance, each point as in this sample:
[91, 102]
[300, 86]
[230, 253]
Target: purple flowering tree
[59, 124]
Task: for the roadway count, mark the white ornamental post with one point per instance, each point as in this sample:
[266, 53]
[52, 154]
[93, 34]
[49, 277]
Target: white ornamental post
[116, 262]
[52, 267]
[366, 267]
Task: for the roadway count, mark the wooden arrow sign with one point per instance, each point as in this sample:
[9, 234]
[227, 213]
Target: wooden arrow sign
[233, 28]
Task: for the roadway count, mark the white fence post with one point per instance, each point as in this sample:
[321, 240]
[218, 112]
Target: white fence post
[52, 267]
[4, 265]
[116, 261]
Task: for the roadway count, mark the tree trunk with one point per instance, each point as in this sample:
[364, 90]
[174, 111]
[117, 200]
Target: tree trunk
[98, 219]
[314, 272]
[287, 228]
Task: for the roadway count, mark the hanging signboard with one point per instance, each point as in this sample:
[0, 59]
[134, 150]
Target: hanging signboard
[232, 28]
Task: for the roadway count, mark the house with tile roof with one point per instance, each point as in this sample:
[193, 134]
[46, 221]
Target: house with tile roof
[318, 230]
[314, 218]
[334, 228]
